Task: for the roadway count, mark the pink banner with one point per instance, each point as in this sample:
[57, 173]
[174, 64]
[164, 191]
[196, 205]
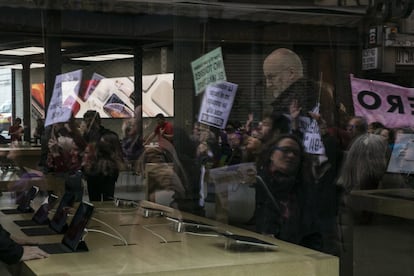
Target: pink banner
[379, 101]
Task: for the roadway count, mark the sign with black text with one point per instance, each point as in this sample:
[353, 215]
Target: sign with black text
[312, 141]
[383, 102]
[58, 111]
[370, 59]
[217, 103]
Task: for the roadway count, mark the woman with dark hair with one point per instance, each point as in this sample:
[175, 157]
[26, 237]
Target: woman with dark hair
[253, 146]
[284, 199]
[101, 165]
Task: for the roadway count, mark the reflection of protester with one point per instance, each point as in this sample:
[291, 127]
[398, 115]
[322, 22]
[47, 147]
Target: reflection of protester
[325, 169]
[236, 152]
[16, 130]
[94, 129]
[164, 129]
[363, 168]
[284, 200]
[272, 125]
[253, 146]
[285, 81]
[357, 126]
[364, 164]
[12, 252]
[65, 147]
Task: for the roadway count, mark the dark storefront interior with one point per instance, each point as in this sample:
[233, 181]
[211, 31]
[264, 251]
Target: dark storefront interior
[162, 38]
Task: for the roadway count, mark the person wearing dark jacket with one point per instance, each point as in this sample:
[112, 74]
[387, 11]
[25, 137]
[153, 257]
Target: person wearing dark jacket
[11, 252]
[102, 159]
[285, 206]
[94, 129]
[285, 82]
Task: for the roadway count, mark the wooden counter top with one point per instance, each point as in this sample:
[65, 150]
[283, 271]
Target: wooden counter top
[21, 156]
[393, 202]
[155, 249]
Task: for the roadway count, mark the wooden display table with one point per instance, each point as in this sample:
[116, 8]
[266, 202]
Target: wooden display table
[21, 179]
[392, 202]
[22, 156]
[156, 249]
[16, 181]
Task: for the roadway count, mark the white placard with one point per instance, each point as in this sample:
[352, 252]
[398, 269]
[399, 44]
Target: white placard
[57, 112]
[217, 103]
[402, 156]
[312, 141]
[370, 59]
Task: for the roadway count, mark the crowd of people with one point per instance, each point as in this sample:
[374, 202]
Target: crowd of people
[300, 197]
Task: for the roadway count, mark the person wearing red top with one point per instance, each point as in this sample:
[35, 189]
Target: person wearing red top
[16, 130]
[163, 129]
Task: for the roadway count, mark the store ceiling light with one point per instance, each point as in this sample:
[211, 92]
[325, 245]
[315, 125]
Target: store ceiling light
[104, 57]
[20, 67]
[26, 51]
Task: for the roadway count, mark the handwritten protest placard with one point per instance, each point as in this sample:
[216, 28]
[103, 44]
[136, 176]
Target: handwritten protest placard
[57, 111]
[208, 69]
[217, 103]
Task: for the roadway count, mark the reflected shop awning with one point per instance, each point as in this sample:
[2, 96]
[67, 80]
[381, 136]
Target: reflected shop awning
[312, 14]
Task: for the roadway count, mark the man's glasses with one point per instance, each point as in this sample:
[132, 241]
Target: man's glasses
[287, 150]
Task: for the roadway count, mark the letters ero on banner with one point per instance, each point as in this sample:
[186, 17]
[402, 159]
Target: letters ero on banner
[379, 101]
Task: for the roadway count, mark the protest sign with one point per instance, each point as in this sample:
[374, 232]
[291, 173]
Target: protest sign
[234, 192]
[383, 102]
[239, 173]
[312, 141]
[208, 69]
[217, 103]
[402, 156]
[59, 111]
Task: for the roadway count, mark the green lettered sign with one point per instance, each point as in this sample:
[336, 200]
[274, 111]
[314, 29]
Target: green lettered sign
[208, 69]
